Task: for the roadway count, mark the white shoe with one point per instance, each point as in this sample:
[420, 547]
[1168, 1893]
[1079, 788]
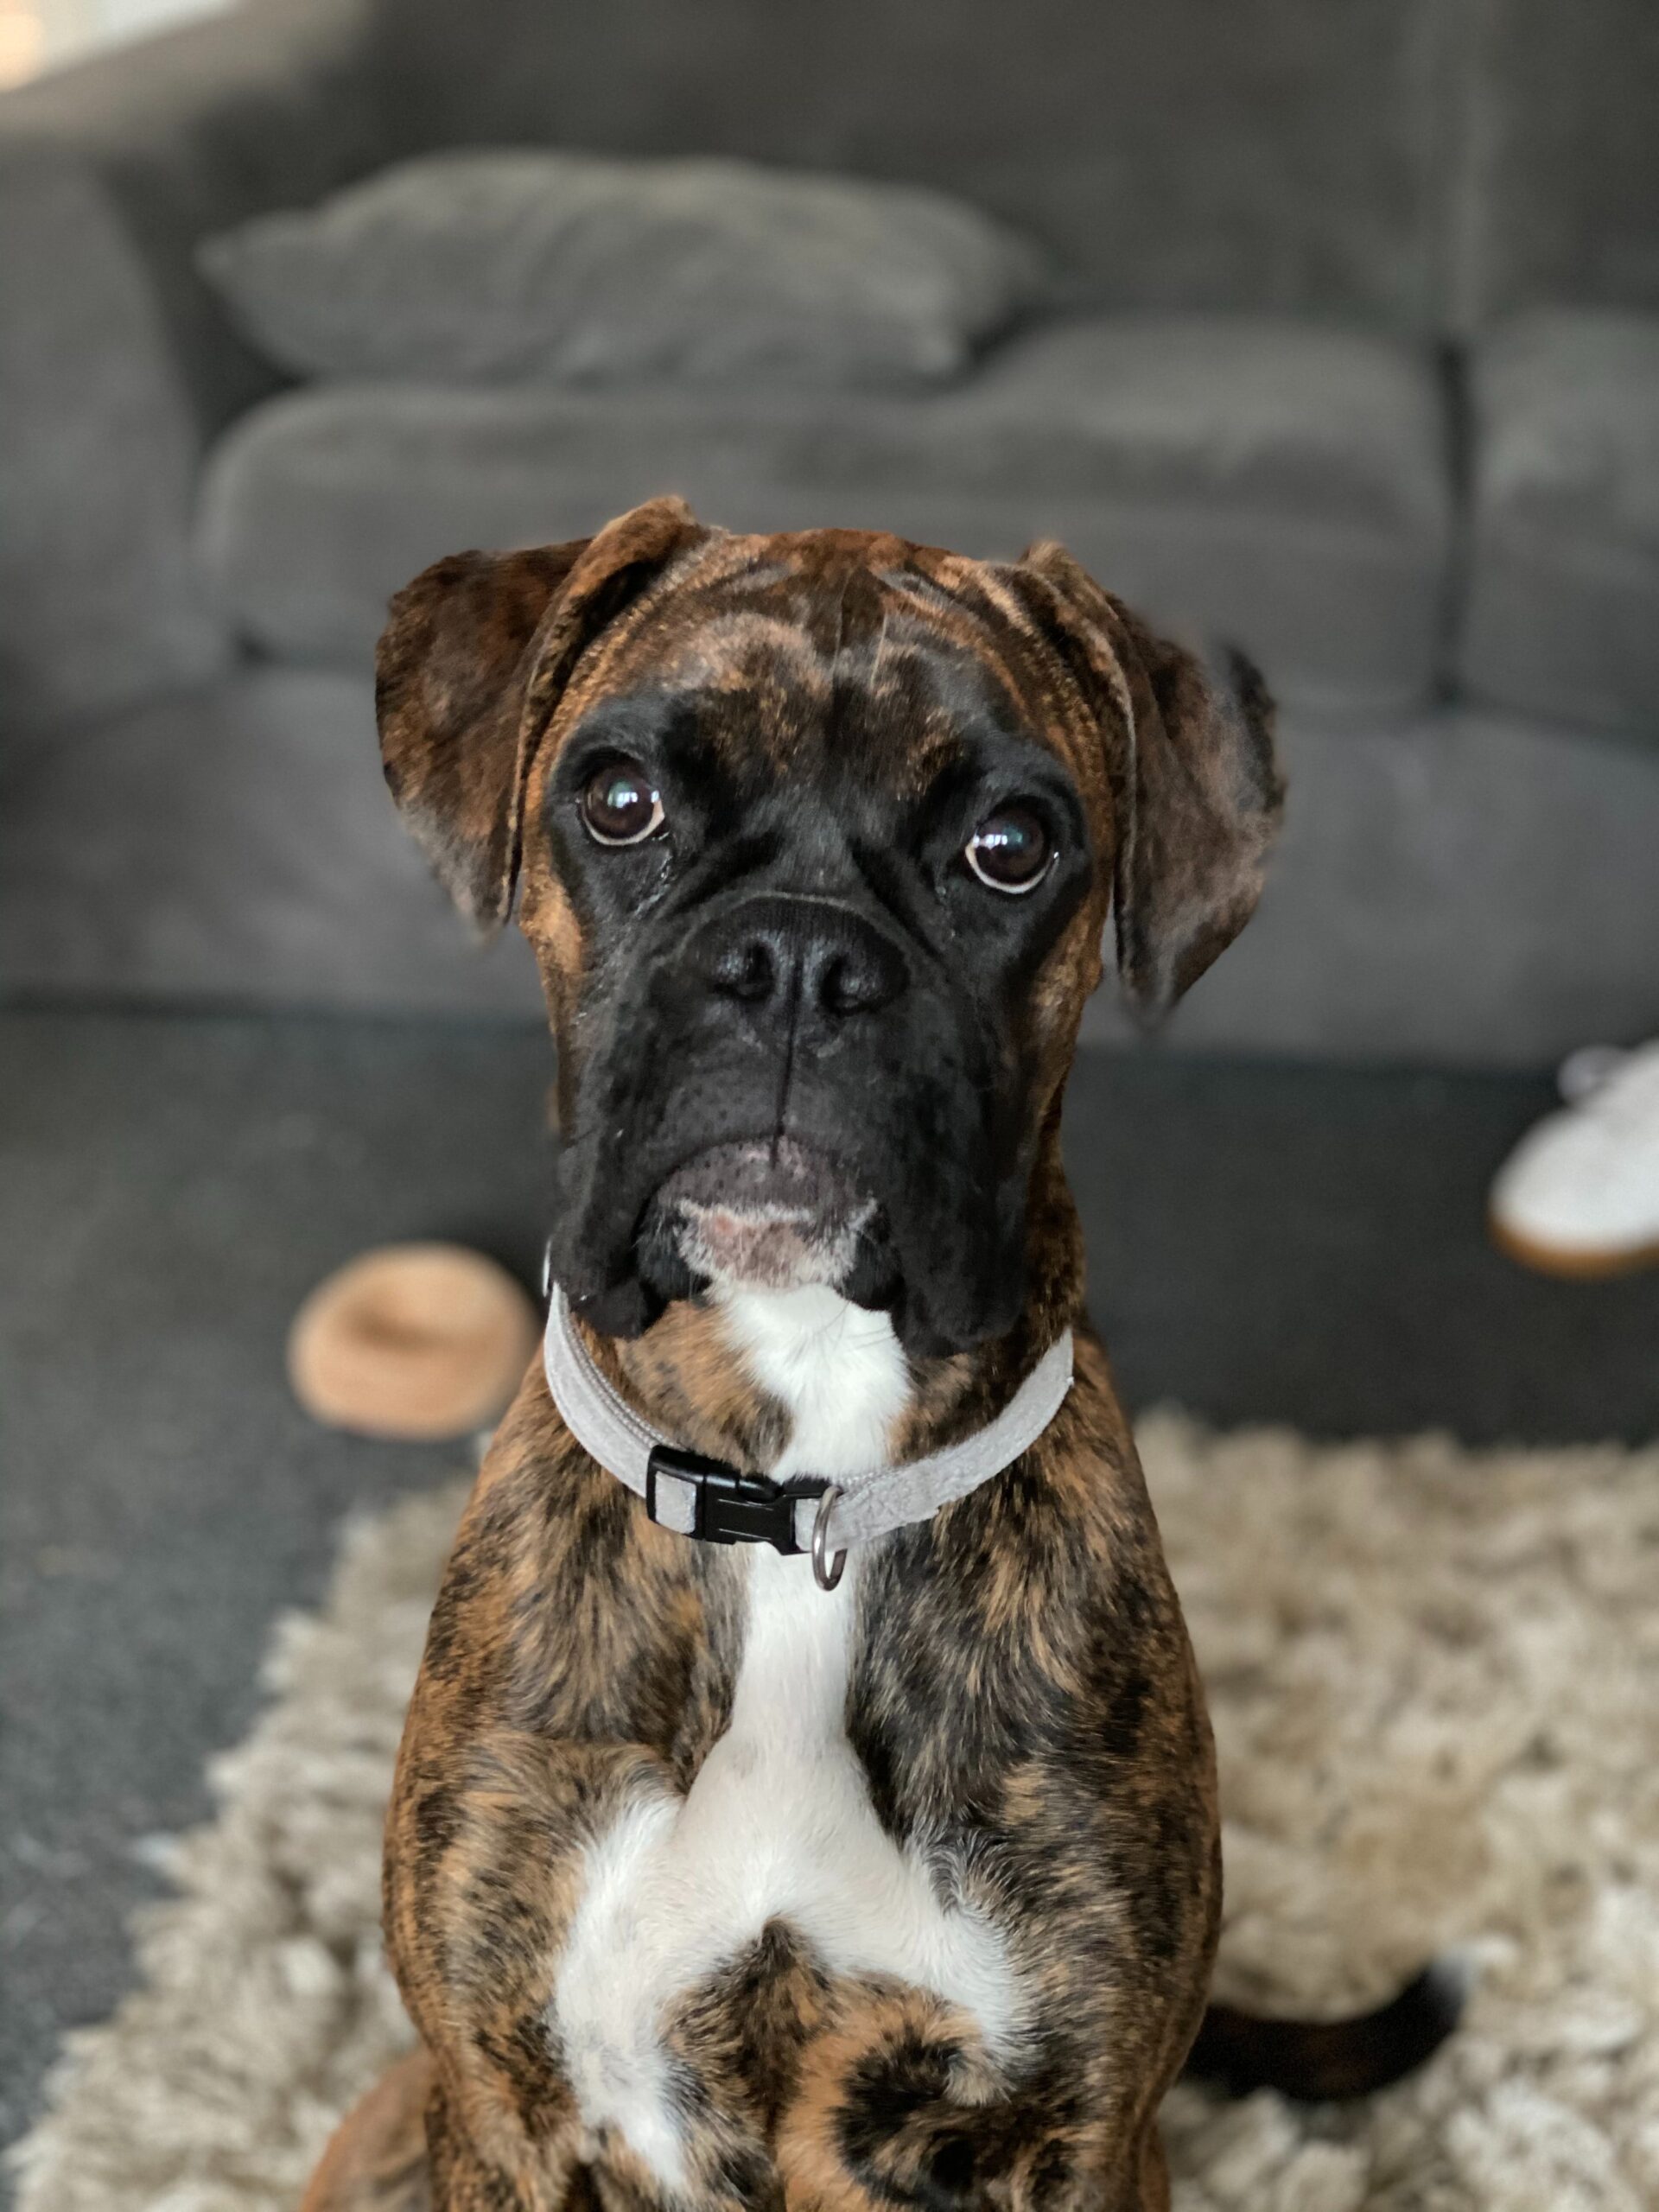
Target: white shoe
[1580, 1193]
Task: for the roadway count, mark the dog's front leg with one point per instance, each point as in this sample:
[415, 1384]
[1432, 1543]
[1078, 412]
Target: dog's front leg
[479, 1915]
[571, 1673]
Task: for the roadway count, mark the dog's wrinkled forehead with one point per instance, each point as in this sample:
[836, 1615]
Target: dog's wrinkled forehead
[833, 654]
[878, 652]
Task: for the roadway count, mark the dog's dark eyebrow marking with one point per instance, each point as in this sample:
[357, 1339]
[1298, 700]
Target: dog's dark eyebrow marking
[955, 682]
[634, 721]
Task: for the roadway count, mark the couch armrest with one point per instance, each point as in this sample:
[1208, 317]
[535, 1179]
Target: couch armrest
[115, 364]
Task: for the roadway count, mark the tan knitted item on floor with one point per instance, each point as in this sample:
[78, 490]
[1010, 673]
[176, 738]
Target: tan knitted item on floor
[419, 1341]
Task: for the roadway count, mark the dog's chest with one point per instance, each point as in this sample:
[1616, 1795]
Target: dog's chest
[777, 1825]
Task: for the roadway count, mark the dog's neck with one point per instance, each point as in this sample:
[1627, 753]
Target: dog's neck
[838, 1372]
[788, 1382]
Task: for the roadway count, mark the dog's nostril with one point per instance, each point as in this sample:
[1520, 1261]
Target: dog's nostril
[860, 977]
[847, 984]
[744, 971]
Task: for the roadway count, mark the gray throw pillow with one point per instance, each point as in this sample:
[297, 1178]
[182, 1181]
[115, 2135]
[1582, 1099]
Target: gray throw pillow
[566, 269]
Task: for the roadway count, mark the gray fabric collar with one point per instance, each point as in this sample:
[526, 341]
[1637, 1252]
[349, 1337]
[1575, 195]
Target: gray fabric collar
[702, 1497]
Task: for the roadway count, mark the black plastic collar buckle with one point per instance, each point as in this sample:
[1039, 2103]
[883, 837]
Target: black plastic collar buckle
[729, 1508]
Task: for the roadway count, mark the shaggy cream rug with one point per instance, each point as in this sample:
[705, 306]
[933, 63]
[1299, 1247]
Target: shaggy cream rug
[1435, 1681]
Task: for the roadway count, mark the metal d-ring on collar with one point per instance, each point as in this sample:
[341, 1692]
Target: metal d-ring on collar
[699, 1496]
[826, 1572]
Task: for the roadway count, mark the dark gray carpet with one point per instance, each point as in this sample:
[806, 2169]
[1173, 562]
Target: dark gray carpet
[1274, 1243]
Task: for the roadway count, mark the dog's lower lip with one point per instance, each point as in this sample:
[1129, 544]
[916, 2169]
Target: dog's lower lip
[767, 1211]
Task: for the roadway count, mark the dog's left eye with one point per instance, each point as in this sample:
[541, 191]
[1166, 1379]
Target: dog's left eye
[621, 806]
[1011, 849]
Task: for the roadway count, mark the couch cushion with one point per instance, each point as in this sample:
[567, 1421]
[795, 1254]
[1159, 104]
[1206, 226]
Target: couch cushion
[235, 846]
[1563, 608]
[1553, 182]
[1266, 153]
[1280, 485]
[565, 269]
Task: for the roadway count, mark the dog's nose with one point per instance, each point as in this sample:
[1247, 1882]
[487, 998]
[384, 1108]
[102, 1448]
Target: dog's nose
[778, 956]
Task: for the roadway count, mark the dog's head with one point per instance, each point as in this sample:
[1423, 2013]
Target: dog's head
[814, 837]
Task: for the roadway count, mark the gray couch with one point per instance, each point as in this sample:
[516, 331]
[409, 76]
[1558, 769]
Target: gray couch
[1357, 363]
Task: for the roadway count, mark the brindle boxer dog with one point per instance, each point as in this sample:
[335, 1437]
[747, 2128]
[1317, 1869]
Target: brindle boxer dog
[708, 1886]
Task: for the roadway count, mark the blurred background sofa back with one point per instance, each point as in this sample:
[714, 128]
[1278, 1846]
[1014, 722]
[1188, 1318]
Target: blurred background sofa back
[1351, 355]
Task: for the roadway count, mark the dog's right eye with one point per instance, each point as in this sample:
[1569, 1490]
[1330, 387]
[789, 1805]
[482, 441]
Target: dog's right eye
[1011, 850]
[621, 806]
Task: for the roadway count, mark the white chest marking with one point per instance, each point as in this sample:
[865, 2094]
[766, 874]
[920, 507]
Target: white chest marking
[777, 1824]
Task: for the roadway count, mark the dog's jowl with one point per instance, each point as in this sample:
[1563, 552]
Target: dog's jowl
[807, 1798]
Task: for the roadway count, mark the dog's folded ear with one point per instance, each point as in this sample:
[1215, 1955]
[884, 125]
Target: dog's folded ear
[1197, 788]
[468, 671]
